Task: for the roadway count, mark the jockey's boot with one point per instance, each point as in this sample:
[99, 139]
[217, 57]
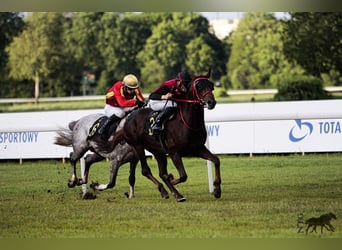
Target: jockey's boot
[102, 130]
[163, 116]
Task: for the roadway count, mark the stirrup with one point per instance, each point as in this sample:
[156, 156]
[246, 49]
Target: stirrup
[156, 128]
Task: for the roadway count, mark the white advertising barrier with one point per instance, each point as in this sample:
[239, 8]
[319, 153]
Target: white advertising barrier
[270, 127]
[30, 135]
[276, 127]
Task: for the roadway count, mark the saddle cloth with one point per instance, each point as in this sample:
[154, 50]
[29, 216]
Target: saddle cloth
[98, 124]
[150, 121]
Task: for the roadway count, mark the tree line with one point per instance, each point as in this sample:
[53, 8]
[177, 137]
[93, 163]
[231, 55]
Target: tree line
[63, 54]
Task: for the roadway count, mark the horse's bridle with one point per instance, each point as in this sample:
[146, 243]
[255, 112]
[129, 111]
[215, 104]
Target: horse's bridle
[197, 100]
[195, 93]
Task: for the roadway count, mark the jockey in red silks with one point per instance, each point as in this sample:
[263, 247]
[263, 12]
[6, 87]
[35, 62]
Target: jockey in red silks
[161, 98]
[121, 98]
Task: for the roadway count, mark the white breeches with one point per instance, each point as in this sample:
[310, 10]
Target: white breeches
[158, 105]
[118, 111]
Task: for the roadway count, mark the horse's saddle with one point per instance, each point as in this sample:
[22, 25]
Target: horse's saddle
[98, 124]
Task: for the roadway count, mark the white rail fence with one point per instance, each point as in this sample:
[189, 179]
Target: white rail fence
[244, 128]
[331, 89]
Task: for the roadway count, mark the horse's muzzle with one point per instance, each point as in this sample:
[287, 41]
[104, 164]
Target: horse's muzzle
[210, 104]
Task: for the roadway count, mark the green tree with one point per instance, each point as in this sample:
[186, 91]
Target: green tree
[154, 74]
[313, 40]
[122, 38]
[165, 47]
[301, 87]
[181, 41]
[257, 59]
[82, 39]
[35, 53]
[11, 24]
[200, 56]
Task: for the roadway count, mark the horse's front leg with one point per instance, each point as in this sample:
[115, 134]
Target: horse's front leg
[177, 161]
[162, 166]
[206, 154]
[131, 179]
[217, 181]
[332, 228]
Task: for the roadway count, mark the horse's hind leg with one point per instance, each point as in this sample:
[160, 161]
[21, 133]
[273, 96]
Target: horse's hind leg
[73, 181]
[89, 160]
[77, 153]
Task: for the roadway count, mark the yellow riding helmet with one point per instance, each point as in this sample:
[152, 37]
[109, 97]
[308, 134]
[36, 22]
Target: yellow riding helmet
[131, 81]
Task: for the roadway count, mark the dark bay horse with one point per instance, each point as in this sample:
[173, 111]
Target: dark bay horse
[184, 135]
[77, 137]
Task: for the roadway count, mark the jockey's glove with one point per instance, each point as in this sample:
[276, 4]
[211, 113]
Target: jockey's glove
[140, 104]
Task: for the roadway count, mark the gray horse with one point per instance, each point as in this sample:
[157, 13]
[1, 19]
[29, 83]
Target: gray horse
[77, 137]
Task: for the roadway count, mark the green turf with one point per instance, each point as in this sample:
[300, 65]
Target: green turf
[261, 197]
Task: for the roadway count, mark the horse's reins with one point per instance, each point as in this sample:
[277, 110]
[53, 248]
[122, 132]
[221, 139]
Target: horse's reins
[199, 99]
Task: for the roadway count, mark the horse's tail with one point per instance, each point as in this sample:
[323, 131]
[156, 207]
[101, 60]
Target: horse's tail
[64, 138]
[72, 125]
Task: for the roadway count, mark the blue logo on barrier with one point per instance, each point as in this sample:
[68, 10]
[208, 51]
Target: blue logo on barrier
[304, 132]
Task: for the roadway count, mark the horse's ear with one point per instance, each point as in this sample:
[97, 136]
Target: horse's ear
[209, 73]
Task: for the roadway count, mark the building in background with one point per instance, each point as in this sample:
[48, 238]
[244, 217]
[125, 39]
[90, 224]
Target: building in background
[223, 27]
[223, 23]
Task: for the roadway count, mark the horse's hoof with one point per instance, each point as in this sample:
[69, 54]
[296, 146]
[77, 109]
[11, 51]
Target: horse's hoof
[71, 184]
[80, 182]
[165, 196]
[181, 199]
[217, 196]
[170, 177]
[89, 196]
[217, 193]
[94, 185]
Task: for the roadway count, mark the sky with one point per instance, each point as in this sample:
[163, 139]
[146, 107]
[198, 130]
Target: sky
[233, 15]
[222, 15]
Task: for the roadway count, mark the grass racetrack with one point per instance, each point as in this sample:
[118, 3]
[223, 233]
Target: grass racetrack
[261, 198]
